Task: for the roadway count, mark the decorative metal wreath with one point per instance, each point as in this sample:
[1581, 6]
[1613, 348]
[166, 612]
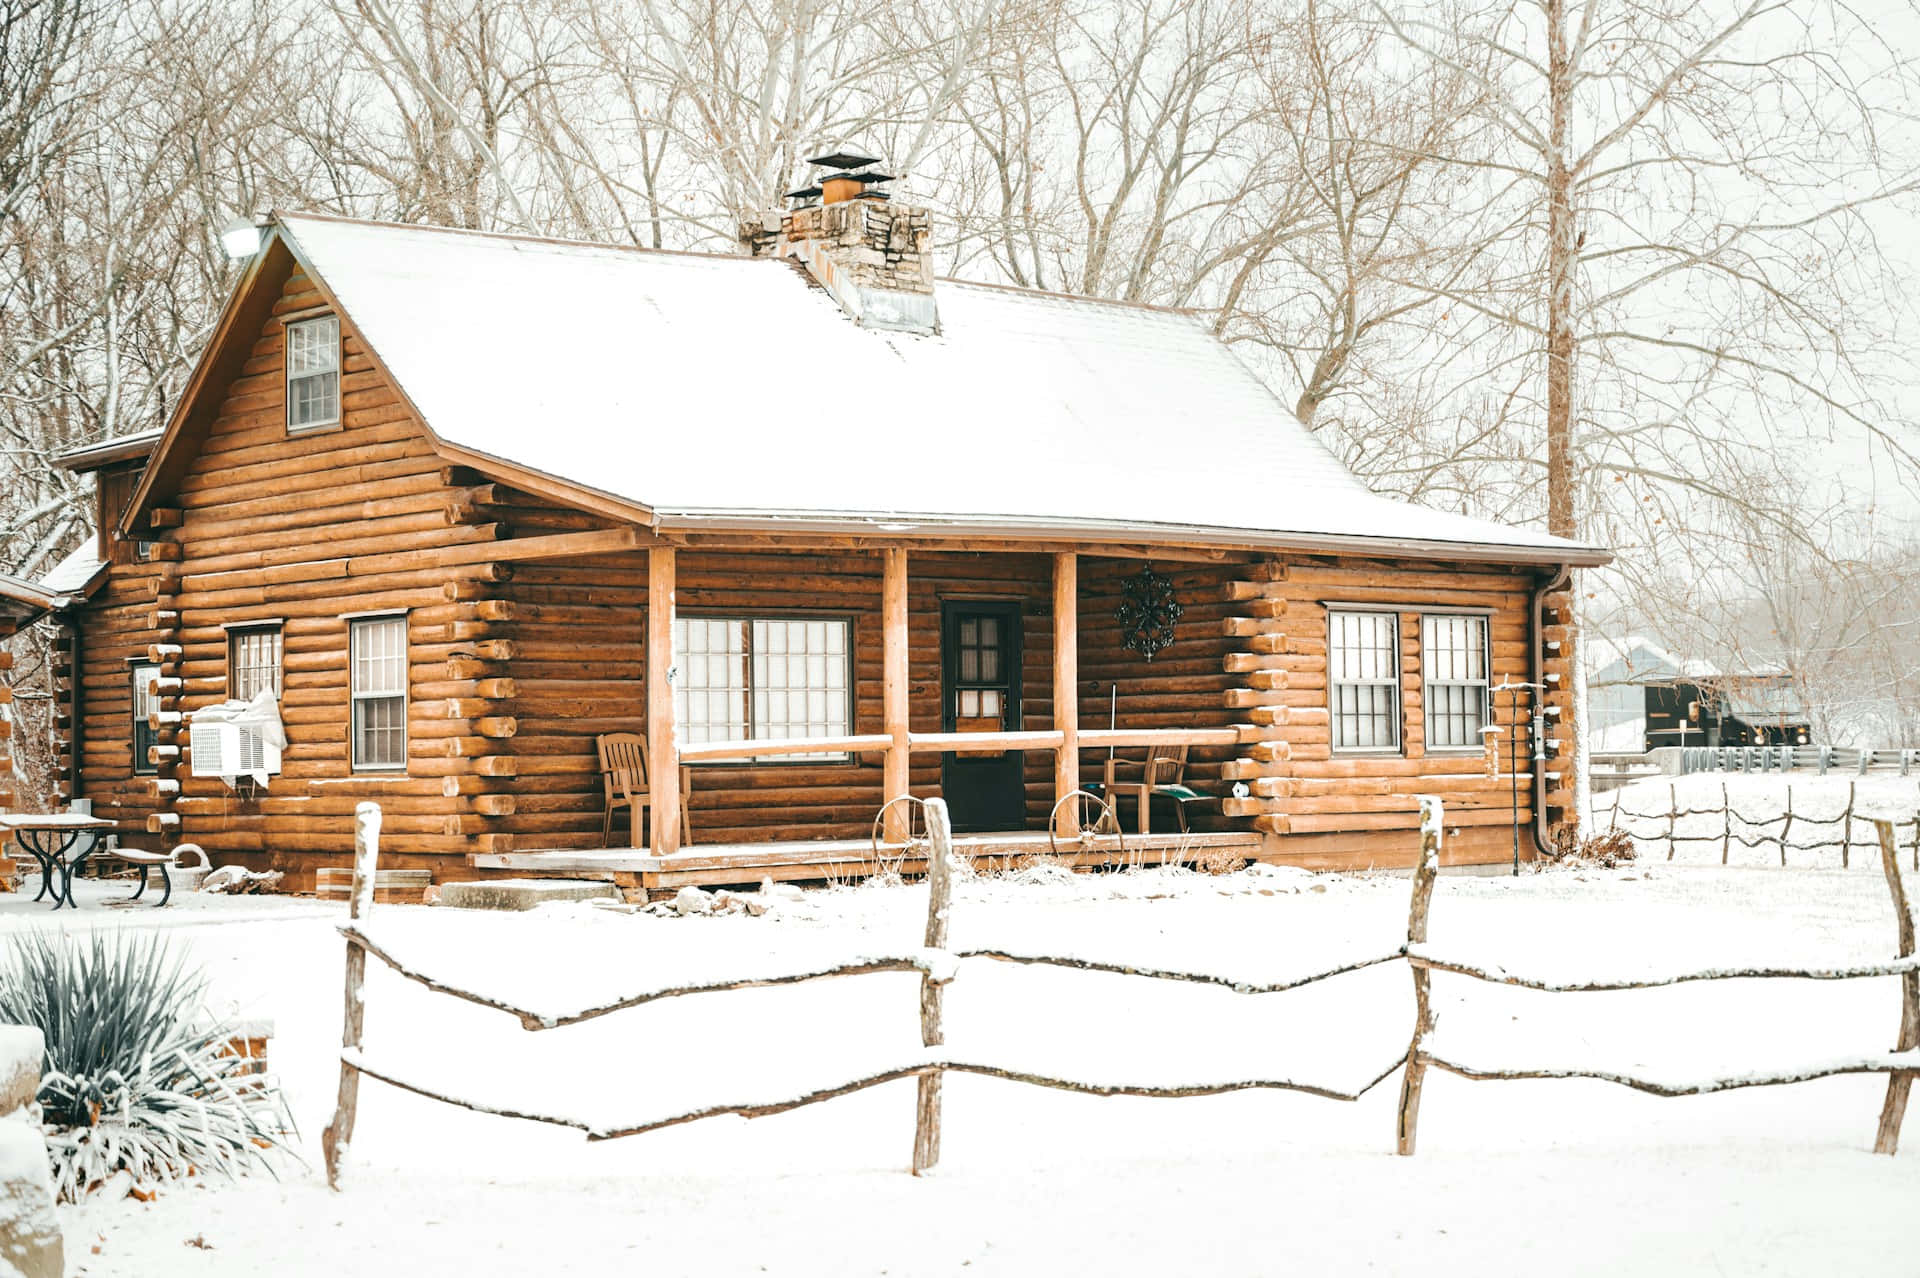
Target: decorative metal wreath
[1147, 613]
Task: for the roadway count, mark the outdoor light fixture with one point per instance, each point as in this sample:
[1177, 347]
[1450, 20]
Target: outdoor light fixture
[240, 238]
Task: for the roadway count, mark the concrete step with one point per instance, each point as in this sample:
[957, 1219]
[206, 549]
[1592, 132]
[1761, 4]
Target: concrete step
[522, 894]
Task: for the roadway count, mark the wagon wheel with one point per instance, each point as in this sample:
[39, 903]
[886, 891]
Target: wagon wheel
[917, 839]
[1104, 819]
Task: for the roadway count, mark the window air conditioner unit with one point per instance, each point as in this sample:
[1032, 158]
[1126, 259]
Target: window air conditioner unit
[222, 748]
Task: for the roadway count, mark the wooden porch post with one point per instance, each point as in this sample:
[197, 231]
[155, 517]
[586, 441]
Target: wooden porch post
[663, 759]
[895, 777]
[1066, 684]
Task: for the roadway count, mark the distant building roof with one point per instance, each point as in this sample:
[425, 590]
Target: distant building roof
[685, 384]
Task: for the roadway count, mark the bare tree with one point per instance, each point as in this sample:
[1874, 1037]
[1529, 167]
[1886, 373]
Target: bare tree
[1686, 195]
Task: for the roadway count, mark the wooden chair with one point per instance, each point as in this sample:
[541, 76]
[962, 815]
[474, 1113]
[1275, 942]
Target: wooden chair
[1162, 775]
[623, 776]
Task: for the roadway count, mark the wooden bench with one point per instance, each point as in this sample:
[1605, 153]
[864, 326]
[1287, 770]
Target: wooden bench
[142, 860]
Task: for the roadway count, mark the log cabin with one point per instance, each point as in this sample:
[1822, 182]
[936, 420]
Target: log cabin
[821, 529]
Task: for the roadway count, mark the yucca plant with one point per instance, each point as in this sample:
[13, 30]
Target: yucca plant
[139, 1074]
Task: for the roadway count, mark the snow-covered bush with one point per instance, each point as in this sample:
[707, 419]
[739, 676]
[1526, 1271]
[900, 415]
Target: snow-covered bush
[139, 1075]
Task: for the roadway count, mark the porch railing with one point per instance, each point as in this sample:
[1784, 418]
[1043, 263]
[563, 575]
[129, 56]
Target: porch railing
[940, 742]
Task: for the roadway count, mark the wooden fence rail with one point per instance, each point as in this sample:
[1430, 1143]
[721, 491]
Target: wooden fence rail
[1729, 814]
[938, 966]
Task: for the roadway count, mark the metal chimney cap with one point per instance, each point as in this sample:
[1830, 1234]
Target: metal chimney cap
[844, 160]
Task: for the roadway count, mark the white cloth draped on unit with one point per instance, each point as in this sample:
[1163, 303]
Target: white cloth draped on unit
[261, 718]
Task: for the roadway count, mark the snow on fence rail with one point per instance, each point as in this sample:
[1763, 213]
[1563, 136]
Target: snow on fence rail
[1729, 813]
[938, 966]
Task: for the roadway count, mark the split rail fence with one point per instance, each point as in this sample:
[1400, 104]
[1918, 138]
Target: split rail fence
[1756, 832]
[938, 966]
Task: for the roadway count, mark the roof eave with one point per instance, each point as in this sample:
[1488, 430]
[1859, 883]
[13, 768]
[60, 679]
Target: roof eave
[910, 526]
[91, 457]
[26, 602]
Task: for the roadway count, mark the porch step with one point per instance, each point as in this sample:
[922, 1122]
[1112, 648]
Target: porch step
[397, 887]
[522, 894]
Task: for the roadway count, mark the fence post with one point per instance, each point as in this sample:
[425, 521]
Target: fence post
[366, 859]
[1887, 1139]
[1413, 1075]
[926, 1111]
[1726, 823]
[1673, 815]
[1786, 826]
[1846, 829]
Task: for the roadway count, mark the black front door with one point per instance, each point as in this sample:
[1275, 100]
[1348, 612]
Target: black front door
[980, 692]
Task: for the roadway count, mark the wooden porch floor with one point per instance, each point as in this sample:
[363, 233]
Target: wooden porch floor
[728, 864]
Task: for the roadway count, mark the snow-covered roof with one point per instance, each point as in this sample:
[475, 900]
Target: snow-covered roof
[104, 452]
[71, 575]
[22, 600]
[711, 388]
[1638, 659]
[61, 587]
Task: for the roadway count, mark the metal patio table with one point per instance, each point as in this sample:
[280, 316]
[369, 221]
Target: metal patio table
[48, 838]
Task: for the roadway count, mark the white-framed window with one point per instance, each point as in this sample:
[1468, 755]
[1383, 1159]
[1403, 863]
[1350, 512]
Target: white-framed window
[144, 737]
[1453, 658]
[761, 678]
[1363, 679]
[253, 661]
[377, 657]
[313, 373]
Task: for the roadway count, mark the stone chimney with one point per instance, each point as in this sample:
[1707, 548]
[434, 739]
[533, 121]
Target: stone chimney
[869, 252]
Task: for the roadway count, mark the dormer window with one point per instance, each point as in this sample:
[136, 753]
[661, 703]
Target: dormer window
[313, 373]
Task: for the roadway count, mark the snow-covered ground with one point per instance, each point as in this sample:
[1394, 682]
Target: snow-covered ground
[1511, 1178]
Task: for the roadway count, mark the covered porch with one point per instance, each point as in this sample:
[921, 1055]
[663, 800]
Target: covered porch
[932, 708]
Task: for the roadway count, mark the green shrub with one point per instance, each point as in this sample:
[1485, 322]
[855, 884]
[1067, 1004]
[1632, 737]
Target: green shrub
[139, 1074]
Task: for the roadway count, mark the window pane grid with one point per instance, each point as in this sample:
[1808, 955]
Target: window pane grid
[143, 735]
[1455, 652]
[1363, 663]
[253, 663]
[760, 678]
[378, 660]
[313, 372]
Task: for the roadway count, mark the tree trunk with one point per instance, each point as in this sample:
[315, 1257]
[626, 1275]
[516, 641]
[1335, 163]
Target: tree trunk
[1563, 256]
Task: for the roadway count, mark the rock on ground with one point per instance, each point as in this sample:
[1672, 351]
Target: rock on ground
[30, 1242]
[21, 1050]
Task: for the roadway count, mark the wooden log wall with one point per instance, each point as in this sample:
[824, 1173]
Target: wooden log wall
[8, 781]
[1185, 686]
[270, 528]
[1557, 672]
[1327, 809]
[65, 679]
